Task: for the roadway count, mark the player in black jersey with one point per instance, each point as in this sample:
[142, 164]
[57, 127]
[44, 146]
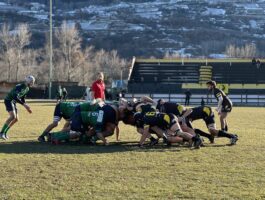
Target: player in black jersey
[144, 105]
[179, 110]
[224, 103]
[168, 124]
[207, 115]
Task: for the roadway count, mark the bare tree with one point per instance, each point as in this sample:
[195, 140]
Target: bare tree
[22, 39]
[69, 46]
[8, 49]
[247, 51]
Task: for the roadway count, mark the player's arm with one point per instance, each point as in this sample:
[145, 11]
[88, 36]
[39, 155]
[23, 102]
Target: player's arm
[220, 102]
[117, 133]
[146, 99]
[145, 135]
[184, 112]
[21, 100]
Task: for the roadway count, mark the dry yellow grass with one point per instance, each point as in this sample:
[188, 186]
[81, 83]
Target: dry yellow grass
[30, 170]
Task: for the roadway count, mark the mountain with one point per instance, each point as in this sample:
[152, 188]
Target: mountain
[147, 28]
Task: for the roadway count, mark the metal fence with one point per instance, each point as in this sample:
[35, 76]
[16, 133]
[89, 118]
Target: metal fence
[238, 100]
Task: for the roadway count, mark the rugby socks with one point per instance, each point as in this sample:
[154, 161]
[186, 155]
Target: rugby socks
[5, 128]
[203, 134]
[226, 128]
[225, 134]
[44, 133]
[60, 136]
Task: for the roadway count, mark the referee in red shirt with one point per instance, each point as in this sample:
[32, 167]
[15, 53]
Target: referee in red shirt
[98, 88]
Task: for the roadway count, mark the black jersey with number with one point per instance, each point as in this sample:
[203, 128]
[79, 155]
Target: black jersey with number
[226, 101]
[200, 112]
[171, 107]
[162, 120]
[144, 108]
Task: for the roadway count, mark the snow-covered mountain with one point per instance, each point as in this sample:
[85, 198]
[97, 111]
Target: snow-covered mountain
[150, 27]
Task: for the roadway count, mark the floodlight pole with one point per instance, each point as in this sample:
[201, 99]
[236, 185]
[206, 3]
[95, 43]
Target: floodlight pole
[51, 53]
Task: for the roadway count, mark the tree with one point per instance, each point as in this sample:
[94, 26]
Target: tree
[22, 39]
[8, 48]
[69, 46]
[247, 51]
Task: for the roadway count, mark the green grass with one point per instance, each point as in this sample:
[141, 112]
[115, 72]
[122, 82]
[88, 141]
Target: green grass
[30, 170]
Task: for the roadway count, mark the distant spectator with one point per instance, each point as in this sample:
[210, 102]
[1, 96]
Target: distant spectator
[202, 102]
[64, 94]
[254, 62]
[87, 94]
[98, 88]
[59, 94]
[258, 64]
[187, 99]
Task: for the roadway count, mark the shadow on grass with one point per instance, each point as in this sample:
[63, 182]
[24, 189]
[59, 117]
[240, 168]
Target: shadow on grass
[33, 147]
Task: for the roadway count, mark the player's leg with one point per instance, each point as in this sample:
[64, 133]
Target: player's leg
[175, 128]
[66, 126]
[117, 133]
[108, 130]
[58, 137]
[221, 133]
[145, 135]
[56, 120]
[12, 119]
[195, 131]
[11, 124]
[226, 125]
[223, 116]
[153, 140]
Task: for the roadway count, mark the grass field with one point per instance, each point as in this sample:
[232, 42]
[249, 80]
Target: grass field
[30, 170]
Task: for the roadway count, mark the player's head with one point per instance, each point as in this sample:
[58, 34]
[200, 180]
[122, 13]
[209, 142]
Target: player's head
[159, 103]
[100, 76]
[211, 85]
[30, 80]
[128, 118]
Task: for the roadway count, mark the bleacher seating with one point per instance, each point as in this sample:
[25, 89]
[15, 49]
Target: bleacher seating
[167, 76]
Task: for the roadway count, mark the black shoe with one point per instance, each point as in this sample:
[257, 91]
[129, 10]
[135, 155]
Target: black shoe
[233, 140]
[211, 139]
[197, 142]
[49, 137]
[41, 138]
[153, 142]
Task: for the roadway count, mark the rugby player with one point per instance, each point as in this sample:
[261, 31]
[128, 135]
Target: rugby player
[62, 110]
[169, 124]
[207, 115]
[224, 104]
[16, 95]
[178, 110]
[101, 123]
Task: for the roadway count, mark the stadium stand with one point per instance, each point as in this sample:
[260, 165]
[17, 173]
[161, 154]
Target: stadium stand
[174, 77]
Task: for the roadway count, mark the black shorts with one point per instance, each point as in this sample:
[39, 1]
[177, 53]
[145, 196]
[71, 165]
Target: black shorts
[226, 108]
[209, 120]
[109, 115]
[57, 111]
[164, 121]
[10, 106]
[76, 123]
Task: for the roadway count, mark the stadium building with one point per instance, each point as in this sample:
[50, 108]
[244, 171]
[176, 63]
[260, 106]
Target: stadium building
[243, 80]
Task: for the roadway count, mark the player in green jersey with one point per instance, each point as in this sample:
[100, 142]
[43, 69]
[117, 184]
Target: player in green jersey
[16, 95]
[62, 110]
[80, 124]
[99, 124]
